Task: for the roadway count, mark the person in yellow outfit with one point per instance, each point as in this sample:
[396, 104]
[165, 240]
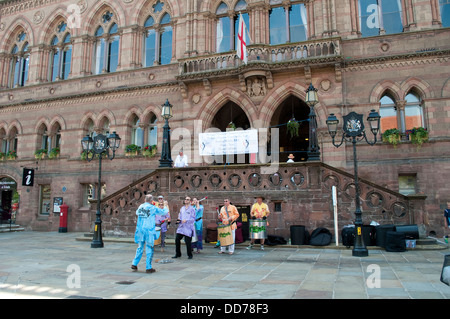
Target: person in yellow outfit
[228, 215]
[259, 210]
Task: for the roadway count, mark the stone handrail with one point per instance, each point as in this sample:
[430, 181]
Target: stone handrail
[257, 53]
[303, 189]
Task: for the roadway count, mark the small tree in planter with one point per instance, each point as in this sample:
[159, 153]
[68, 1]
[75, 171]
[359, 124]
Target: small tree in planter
[40, 154]
[54, 152]
[11, 155]
[132, 150]
[149, 150]
[391, 136]
[418, 136]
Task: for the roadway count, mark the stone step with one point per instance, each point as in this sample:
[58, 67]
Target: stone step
[6, 228]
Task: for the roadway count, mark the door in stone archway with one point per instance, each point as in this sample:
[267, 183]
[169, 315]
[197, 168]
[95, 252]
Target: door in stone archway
[292, 107]
[231, 116]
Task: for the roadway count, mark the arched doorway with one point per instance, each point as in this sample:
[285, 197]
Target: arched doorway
[292, 107]
[231, 116]
[8, 197]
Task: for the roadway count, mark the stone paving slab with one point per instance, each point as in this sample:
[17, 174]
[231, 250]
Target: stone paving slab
[48, 265]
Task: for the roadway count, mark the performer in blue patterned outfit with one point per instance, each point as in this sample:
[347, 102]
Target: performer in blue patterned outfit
[145, 234]
[198, 224]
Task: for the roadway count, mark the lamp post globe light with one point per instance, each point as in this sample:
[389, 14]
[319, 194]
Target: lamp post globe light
[311, 100]
[353, 131]
[99, 145]
[166, 156]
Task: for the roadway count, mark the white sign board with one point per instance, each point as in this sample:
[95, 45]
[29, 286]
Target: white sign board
[231, 142]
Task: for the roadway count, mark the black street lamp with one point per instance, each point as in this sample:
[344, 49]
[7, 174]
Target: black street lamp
[99, 145]
[166, 156]
[311, 100]
[353, 131]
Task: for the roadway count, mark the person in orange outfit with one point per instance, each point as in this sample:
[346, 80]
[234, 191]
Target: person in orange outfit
[228, 215]
[259, 210]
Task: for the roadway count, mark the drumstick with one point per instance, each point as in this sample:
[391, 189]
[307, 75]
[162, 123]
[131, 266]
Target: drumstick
[206, 197]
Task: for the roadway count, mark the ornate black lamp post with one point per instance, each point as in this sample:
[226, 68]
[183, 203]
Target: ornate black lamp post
[353, 131]
[166, 156]
[99, 145]
[313, 148]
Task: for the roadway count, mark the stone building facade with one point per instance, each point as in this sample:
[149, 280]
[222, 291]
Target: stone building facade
[71, 68]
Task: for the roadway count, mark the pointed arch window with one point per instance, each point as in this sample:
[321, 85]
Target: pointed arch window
[413, 111]
[153, 130]
[158, 41]
[137, 132]
[61, 54]
[228, 26]
[288, 23]
[107, 44]
[20, 60]
[402, 115]
[388, 113]
[8, 142]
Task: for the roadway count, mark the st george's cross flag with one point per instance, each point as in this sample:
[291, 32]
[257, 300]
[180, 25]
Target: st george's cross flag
[241, 42]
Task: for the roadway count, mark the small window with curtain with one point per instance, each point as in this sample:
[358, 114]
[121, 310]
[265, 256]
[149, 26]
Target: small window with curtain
[61, 54]
[228, 26]
[444, 6]
[380, 17]
[158, 41]
[20, 60]
[287, 26]
[107, 44]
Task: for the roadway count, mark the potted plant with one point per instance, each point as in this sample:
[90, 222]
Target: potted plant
[132, 150]
[11, 155]
[391, 136]
[2, 156]
[84, 154]
[54, 152]
[292, 127]
[418, 136]
[40, 154]
[149, 150]
[231, 125]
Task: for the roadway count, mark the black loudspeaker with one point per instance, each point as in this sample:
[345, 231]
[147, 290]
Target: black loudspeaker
[298, 235]
[380, 234]
[410, 231]
[395, 241]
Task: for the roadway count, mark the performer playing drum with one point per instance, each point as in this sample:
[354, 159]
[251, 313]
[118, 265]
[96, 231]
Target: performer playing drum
[228, 215]
[259, 211]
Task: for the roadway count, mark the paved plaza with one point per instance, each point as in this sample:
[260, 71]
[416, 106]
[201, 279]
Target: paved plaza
[60, 265]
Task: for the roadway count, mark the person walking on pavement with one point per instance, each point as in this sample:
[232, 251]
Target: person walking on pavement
[145, 234]
[186, 219]
[228, 215]
[447, 222]
[163, 220]
[198, 224]
[259, 210]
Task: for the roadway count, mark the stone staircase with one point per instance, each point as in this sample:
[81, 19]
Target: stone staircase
[6, 228]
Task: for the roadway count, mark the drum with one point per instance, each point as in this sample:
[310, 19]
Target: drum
[157, 241]
[224, 235]
[257, 229]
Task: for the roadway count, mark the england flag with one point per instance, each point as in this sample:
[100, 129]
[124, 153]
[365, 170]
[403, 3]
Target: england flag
[241, 42]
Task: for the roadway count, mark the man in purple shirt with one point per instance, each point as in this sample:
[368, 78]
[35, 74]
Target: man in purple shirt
[186, 219]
